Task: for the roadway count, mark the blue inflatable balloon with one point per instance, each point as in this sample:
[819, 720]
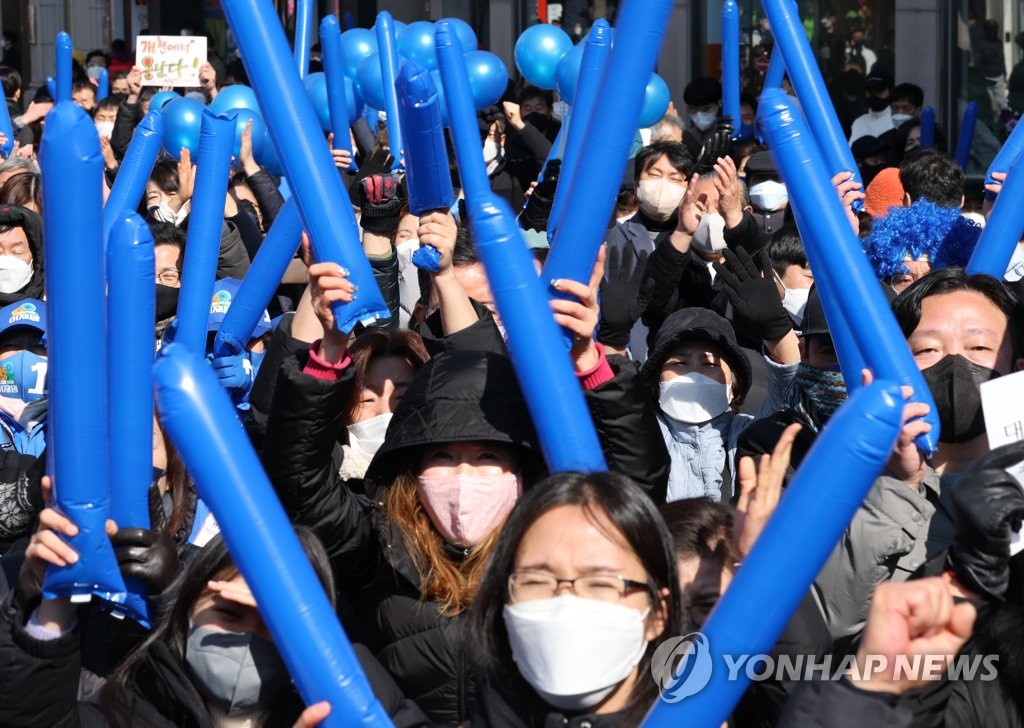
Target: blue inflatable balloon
[136, 166]
[538, 52]
[399, 26]
[183, 119]
[359, 44]
[316, 90]
[463, 33]
[390, 65]
[103, 85]
[64, 51]
[966, 136]
[369, 83]
[568, 72]
[416, 42]
[7, 130]
[656, 99]
[731, 61]
[303, 35]
[269, 159]
[488, 78]
[927, 127]
[259, 131]
[237, 96]
[161, 99]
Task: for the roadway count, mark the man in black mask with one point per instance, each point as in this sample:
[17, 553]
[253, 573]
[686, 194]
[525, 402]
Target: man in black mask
[530, 132]
[877, 121]
[963, 331]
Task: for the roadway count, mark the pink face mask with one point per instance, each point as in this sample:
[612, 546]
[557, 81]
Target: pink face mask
[466, 508]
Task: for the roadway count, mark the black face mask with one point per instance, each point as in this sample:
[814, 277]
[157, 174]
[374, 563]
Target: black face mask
[877, 104]
[955, 384]
[166, 301]
[538, 120]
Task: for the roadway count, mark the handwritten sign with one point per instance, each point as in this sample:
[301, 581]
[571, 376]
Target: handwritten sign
[1004, 423]
[170, 60]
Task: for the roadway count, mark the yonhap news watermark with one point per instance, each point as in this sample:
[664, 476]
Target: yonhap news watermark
[683, 666]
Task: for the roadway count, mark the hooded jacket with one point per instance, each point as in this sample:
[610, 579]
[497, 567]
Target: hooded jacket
[32, 224]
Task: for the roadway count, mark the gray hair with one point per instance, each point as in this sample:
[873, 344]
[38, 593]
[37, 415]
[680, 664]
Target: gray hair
[660, 130]
[19, 164]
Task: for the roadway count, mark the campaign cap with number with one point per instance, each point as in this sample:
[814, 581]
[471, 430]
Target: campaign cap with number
[26, 313]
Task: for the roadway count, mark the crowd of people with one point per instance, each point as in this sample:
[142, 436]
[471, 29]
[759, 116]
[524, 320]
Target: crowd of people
[478, 588]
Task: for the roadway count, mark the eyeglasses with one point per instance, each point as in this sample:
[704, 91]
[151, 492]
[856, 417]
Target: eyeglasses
[529, 586]
[168, 277]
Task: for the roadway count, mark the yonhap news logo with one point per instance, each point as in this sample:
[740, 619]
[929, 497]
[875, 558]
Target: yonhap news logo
[683, 666]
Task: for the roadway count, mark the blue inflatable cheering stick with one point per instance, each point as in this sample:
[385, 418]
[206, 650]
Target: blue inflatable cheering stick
[966, 136]
[848, 454]
[337, 96]
[260, 282]
[103, 85]
[597, 45]
[1003, 230]
[77, 439]
[731, 62]
[130, 314]
[802, 68]
[927, 127]
[1005, 158]
[552, 392]
[199, 419]
[307, 163]
[609, 134]
[839, 257]
[206, 219]
[7, 130]
[303, 35]
[63, 50]
[389, 63]
[133, 174]
[428, 173]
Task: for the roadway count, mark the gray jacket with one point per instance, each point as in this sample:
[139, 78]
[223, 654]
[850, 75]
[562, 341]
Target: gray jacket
[893, 533]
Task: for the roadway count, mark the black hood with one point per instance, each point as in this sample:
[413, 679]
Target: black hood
[458, 396]
[32, 224]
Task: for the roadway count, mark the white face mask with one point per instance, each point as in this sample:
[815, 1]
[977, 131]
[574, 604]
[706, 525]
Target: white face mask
[164, 213]
[105, 128]
[659, 198]
[14, 274]
[709, 237]
[491, 152]
[94, 72]
[704, 119]
[553, 644]
[794, 300]
[769, 195]
[368, 435]
[693, 398]
[898, 119]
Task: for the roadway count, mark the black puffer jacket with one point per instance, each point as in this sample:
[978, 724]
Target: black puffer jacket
[39, 686]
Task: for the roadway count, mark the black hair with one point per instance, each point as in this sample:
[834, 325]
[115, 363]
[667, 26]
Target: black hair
[933, 176]
[902, 133]
[165, 176]
[11, 80]
[166, 233]
[532, 92]
[100, 53]
[82, 85]
[909, 92]
[110, 103]
[632, 513]
[173, 616]
[702, 91]
[786, 248]
[464, 252]
[676, 153]
[907, 305]
[701, 528]
[22, 190]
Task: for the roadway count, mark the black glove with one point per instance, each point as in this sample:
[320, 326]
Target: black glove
[622, 294]
[988, 505]
[538, 207]
[381, 197]
[716, 146]
[148, 554]
[757, 307]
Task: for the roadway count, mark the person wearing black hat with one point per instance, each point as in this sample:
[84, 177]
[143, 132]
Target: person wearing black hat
[769, 199]
[870, 154]
[703, 97]
[878, 119]
[701, 376]
[21, 254]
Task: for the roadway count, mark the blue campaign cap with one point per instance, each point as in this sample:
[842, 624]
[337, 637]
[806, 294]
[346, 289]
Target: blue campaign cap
[28, 313]
[224, 292]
